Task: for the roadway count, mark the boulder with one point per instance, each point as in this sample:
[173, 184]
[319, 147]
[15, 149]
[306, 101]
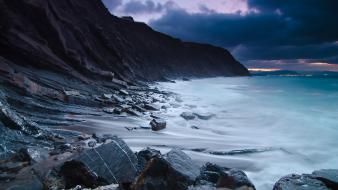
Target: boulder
[145, 155]
[114, 162]
[222, 177]
[204, 116]
[124, 92]
[107, 96]
[188, 115]
[158, 124]
[328, 176]
[108, 110]
[299, 182]
[151, 107]
[77, 173]
[175, 170]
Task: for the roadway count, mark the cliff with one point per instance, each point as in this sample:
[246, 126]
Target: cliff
[83, 40]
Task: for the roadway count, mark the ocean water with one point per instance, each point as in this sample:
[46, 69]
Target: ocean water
[268, 126]
[282, 124]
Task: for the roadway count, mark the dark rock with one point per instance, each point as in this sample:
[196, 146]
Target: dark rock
[145, 155]
[158, 124]
[224, 177]
[117, 111]
[124, 92]
[114, 162]
[188, 115]
[299, 182]
[151, 107]
[328, 176]
[195, 127]
[145, 127]
[22, 156]
[91, 144]
[107, 96]
[76, 173]
[108, 110]
[174, 171]
[139, 108]
[118, 99]
[235, 179]
[133, 112]
[185, 79]
[128, 18]
[204, 116]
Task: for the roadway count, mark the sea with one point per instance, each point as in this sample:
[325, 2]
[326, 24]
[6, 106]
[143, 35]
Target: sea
[267, 125]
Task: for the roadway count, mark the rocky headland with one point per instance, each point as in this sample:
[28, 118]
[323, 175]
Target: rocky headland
[62, 61]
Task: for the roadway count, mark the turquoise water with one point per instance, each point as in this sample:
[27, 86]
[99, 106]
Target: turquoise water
[291, 122]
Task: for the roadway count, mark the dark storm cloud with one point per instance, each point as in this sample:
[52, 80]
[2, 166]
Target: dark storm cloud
[288, 29]
[137, 7]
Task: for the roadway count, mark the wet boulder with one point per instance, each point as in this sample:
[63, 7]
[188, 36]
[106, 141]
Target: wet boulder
[221, 177]
[108, 110]
[151, 107]
[77, 173]
[205, 116]
[188, 116]
[145, 155]
[328, 176]
[175, 170]
[114, 162]
[158, 124]
[299, 182]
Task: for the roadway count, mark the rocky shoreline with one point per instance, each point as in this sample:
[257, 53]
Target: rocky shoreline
[70, 160]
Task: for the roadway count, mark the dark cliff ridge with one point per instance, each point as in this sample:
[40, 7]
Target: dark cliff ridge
[82, 39]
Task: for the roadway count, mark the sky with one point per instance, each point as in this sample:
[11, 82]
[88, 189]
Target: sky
[278, 34]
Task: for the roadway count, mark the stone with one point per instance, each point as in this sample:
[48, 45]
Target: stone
[124, 92]
[151, 107]
[139, 108]
[173, 171]
[195, 127]
[117, 111]
[71, 92]
[185, 79]
[91, 144]
[107, 96]
[204, 116]
[119, 82]
[299, 182]
[328, 176]
[145, 155]
[108, 110]
[118, 98]
[114, 162]
[188, 115]
[76, 173]
[133, 112]
[223, 177]
[158, 124]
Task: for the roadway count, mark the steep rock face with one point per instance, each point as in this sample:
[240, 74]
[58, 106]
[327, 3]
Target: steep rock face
[82, 39]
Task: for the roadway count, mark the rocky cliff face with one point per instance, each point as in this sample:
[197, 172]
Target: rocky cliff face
[83, 40]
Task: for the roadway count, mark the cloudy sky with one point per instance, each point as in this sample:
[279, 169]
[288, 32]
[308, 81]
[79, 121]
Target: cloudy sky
[288, 34]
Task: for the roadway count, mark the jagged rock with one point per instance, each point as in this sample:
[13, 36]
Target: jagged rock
[204, 116]
[124, 92]
[174, 171]
[71, 92]
[114, 162]
[151, 107]
[328, 176]
[145, 155]
[158, 124]
[299, 182]
[107, 96]
[188, 115]
[118, 99]
[91, 144]
[76, 173]
[14, 121]
[133, 112]
[117, 110]
[224, 177]
[109, 110]
[139, 108]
